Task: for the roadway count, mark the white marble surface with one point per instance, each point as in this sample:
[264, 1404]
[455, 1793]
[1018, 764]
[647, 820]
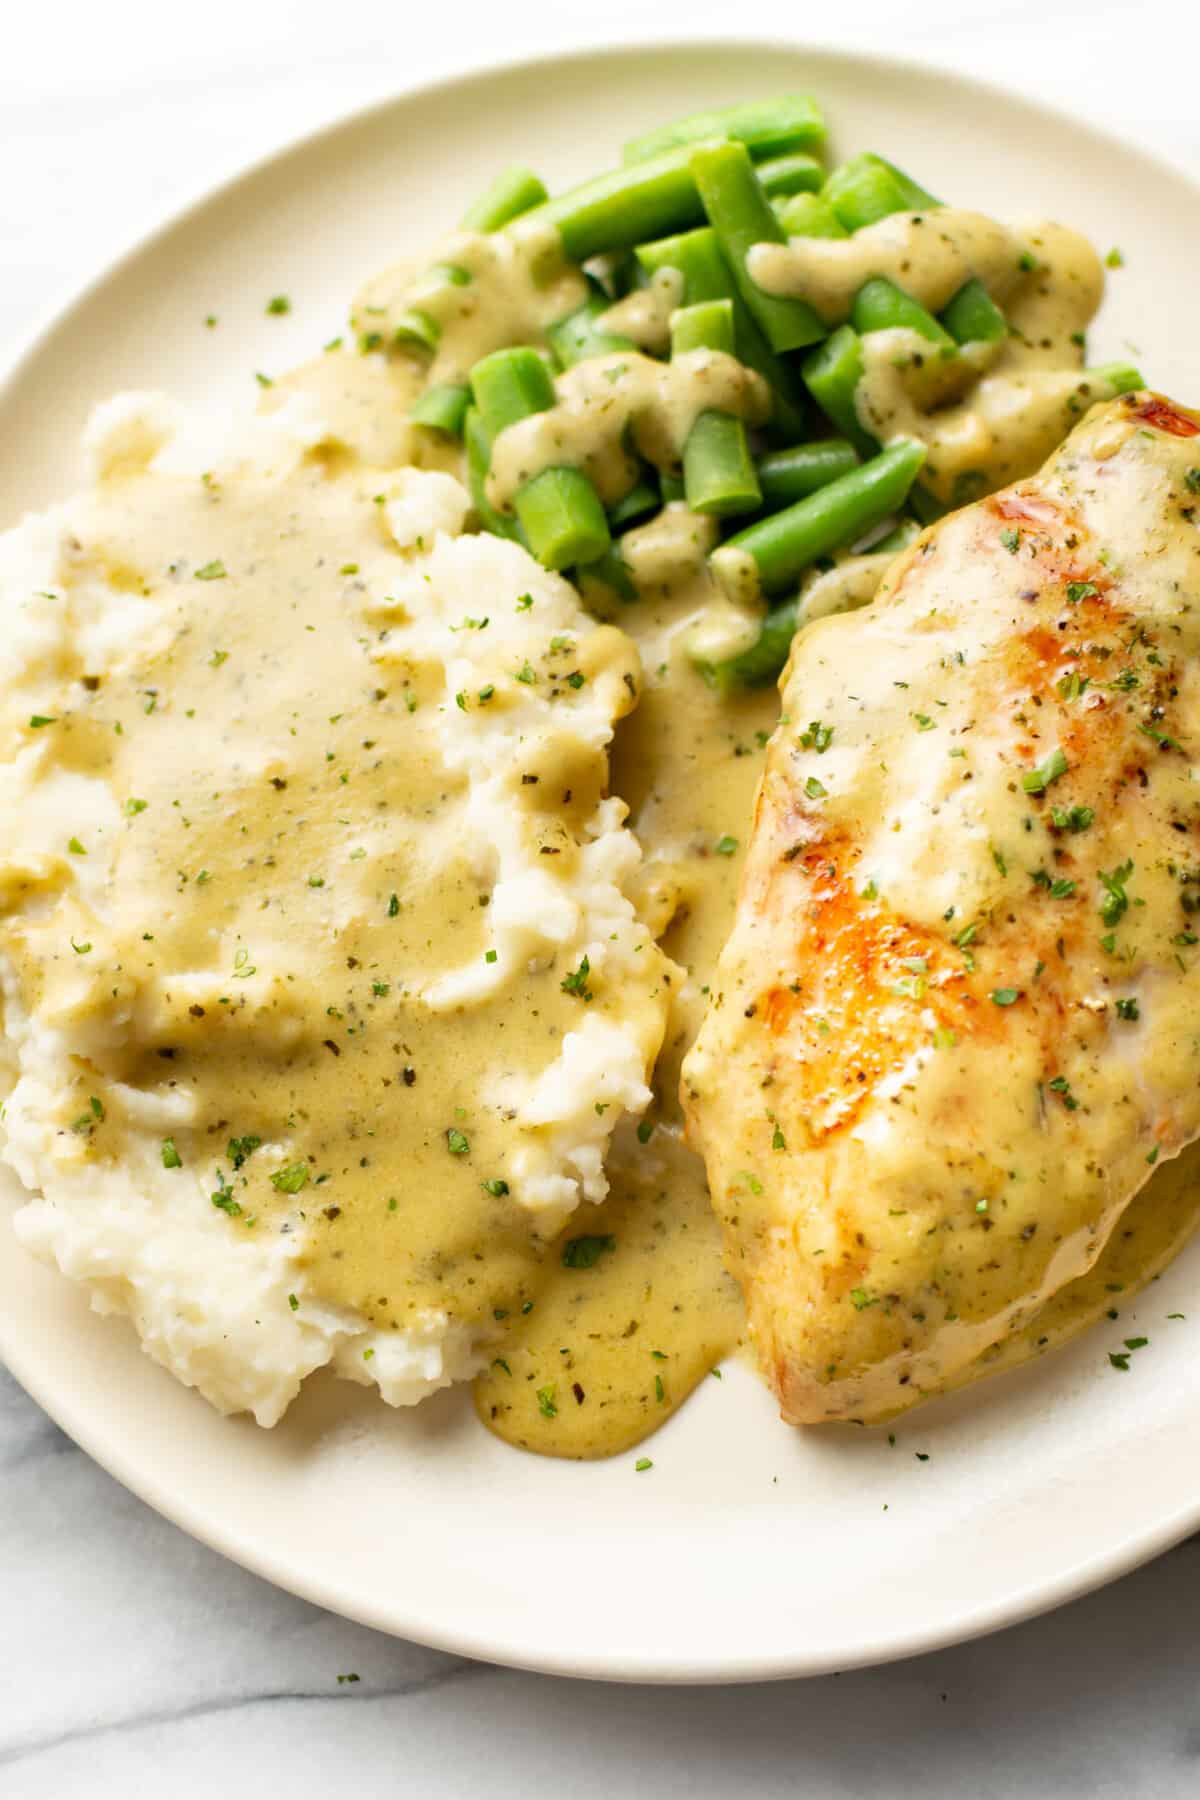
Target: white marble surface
[137, 1662]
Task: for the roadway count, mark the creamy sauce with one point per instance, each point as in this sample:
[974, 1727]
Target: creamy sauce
[644, 315]
[610, 407]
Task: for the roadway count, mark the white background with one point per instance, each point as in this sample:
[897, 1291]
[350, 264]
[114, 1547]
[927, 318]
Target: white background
[136, 1662]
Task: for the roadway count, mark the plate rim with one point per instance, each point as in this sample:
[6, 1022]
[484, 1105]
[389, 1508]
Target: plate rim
[1018, 1605]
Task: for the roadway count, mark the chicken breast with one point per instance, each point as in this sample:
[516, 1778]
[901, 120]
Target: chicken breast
[957, 1022]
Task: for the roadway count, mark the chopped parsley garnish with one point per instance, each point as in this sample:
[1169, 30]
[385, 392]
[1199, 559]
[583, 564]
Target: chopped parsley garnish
[37, 720]
[645, 1131]
[291, 1179]
[1116, 902]
[818, 737]
[1128, 1009]
[75, 847]
[277, 304]
[576, 982]
[293, 1303]
[525, 673]
[211, 571]
[80, 949]
[1036, 781]
[393, 906]
[524, 603]
[1004, 996]
[815, 790]
[924, 722]
[1160, 737]
[457, 1142]
[171, 1158]
[1115, 259]
[725, 846]
[585, 1252]
[1081, 590]
[239, 1150]
[546, 1402]
[1071, 818]
[134, 807]
[1011, 541]
[223, 1199]
[495, 1187]
[1119, 1360]
[1061, 1086]
[1192, 481]
[642, 1464]
[860, 1299]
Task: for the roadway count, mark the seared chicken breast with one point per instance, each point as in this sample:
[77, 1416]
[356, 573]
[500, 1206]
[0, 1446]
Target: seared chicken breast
[957, 1023]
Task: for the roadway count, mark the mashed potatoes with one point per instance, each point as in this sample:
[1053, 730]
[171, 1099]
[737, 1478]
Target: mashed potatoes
[322, 993]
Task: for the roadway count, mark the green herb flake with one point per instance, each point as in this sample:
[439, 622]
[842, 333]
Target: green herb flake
[818, 737]
[1081, 590]
[278, 304]
[211, 571]
[546, 1402]
[815, 790]
[1036, 781]
[1115, 259]
[171, 1158]
[1011, 541]
[526, 674]
[496, 1187]
[576, 982]
[291, 1179]
[37, 720]
[924, 722]
[293, 1303]
[725, 846]
[393, 906]
[585, 1252]
[75, 847]
[642, 1464]
[1128, 1009]
[134, 807]
[457, 1142]
[1071, 818]
[1116, 901]
[645, 1131]
[1119, 1360]
[1004, 996]
[860, 1299]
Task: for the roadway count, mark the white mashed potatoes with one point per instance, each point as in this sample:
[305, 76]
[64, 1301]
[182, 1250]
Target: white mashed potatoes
[322, 992]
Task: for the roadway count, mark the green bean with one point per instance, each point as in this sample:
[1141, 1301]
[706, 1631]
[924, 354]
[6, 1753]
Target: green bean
[514, 191]
[832, 372]
[442, 407]
[785, 543]
[795, 174]
[766, 127]
[479, 455]
[699, 259]
[788, 475]
[508, 385]
[880, 305]
[765, 657]
[624, 207]
[641, 500]
[558, 509]
[670, 487]
[410, 329]
[718, 469]
[867, 189]
[972, 316]
[810, 216]
[580, 335]
[562, 518]
[741, 216]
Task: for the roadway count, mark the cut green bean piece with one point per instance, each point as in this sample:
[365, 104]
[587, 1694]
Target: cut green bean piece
[509, 385]
[766, 127]
[741, 216]
[718, 469]
[867, 188]
[831, 374]
[763, 661]
[558, 510]
[562, 518]
[671, 488]
[810, 216]
[625, 207]
[641, 500]
[514, 191]
[479, 453]
[795, 174]
[580, 335]
[784, 544]
[699, 259]
[442, 407]
[973, 317]
[789, 475]
[706, 326]
[880, 305]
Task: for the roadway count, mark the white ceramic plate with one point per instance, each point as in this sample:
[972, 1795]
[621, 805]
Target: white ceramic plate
[748, 1550]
